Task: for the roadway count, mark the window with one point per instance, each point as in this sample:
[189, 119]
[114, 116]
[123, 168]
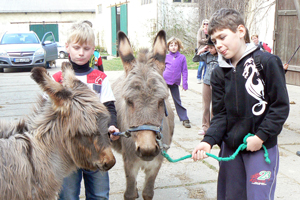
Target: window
[143, 2]
[99, 9]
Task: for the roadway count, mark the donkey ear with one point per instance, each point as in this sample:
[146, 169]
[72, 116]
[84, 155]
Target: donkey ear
[160, 50]
[55, 90]
[68, 74]
[125, 51]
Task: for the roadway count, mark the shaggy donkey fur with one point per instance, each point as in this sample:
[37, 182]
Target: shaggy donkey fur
[141, 99]
[65, 131]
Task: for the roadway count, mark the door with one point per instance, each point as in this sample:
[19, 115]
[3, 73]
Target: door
[50, 46]
[123, 18]
[119, 21]
[114, 30]
[287, 37]
[41, 29]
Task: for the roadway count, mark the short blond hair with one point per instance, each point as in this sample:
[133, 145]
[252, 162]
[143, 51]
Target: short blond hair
[81, 33]
[176, 41]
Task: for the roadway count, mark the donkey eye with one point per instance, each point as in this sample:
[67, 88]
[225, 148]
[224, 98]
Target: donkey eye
[161, 103]
[129, 103]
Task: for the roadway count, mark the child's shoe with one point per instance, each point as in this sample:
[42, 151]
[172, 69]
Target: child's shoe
[199, 81]
[186, 123]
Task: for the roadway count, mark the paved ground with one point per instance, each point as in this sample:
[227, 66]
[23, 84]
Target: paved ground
[184, 180]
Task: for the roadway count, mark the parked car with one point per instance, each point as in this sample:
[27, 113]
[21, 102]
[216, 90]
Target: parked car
[24, 49]
[61, 50]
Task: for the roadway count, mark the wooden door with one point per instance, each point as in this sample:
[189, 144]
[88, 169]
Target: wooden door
[287, 37]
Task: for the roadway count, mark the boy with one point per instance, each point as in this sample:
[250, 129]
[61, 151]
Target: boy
[241, 105]
[210, 58]
[80, 46]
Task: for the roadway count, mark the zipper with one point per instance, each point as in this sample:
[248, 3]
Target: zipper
[234, 72]
[236, 99]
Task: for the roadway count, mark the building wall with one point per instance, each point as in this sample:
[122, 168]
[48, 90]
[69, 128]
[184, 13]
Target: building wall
[144, 21]
[21, 21]
[261, 20]
[141, 22]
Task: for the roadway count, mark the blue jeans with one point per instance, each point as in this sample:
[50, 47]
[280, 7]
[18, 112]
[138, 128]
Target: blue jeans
[96, 185]
[202, 67]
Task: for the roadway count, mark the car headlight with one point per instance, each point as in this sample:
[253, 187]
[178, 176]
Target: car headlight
[3, 53]
[40, 51]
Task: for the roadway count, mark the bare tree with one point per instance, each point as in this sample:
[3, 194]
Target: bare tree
[183, 19]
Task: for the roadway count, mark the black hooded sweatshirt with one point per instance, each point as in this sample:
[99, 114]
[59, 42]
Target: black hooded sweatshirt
[242, 104]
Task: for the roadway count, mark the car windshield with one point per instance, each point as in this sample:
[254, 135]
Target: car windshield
[19, 38]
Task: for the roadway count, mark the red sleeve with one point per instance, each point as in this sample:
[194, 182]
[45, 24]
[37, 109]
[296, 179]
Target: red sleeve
[266, 47]
[58, 77]
[99, 61]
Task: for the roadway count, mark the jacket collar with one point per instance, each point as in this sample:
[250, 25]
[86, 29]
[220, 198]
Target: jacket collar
[225, 63]
[174, 54]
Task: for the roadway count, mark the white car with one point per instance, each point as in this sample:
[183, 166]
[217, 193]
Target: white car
[61, 50]
[25, 50]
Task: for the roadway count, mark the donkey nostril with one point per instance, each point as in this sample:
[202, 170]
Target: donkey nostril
[108, 165]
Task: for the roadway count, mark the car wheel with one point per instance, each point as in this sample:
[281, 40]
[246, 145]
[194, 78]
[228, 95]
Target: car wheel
[1, 70]
[62, 55]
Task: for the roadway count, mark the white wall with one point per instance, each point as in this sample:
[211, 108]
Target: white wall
[141, 21]
[262, 19]
[145, 20]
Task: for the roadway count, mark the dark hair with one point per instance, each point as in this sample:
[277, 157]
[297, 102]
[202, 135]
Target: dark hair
[225, 18]
[247, 36]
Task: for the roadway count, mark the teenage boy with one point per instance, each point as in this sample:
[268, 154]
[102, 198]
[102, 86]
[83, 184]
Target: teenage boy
[242, 104]
[80, 46]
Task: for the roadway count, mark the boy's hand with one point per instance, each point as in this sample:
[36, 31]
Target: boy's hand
[254, 143]
[200, 151]
[202, 50]
[113, 129]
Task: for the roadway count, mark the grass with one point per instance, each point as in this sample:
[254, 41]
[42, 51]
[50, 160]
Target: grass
[115, 64]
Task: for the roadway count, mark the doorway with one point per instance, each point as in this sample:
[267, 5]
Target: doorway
[119, 22]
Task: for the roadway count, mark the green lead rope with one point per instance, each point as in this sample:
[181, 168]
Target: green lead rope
[240, 148]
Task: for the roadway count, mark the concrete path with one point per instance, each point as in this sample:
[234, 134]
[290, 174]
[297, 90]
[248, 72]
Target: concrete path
[184, 180]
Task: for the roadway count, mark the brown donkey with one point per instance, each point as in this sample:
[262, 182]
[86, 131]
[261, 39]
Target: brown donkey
[67, 130]
[144, 113]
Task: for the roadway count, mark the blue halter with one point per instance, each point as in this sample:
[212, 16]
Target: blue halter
[146, 127]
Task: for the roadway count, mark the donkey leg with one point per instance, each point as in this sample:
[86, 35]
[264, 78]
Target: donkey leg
[131, 171]
[151, 172]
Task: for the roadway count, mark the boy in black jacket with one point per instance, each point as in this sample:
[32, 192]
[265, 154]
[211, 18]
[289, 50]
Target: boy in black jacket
[245, 100]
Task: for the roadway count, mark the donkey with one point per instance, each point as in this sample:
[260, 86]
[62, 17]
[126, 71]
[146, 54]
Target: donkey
[142, 106]
[67, 130]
